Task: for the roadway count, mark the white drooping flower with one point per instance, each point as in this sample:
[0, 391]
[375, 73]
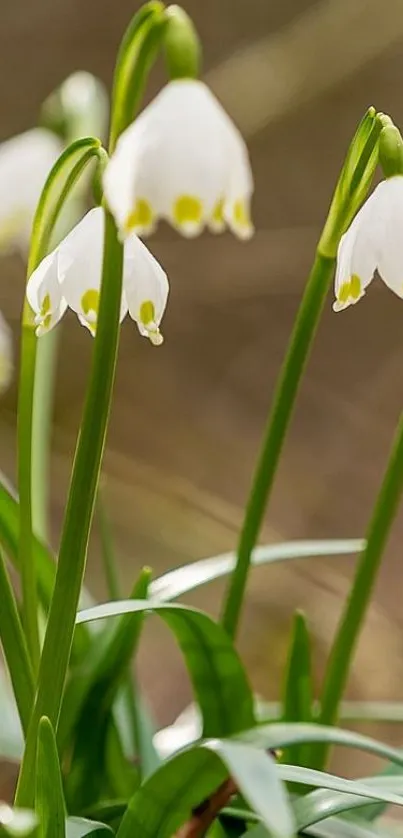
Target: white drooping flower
[373, 242]
[25, 162]
[70, 276]
[6, 355]
[183, 160]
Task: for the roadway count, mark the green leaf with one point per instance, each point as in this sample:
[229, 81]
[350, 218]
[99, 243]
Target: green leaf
[330, 828]
[107, 811]
[351, 621]
[180, 581]
[15, 648]
[391, 774]
[323, 803]
[213, 664]
[49, 800]
[298, 685]
[133, 714]
[109, 664]
[9, 539]
[81, 827]
[45, 565]
[319, 779]
[16, 822]
[341, 828]
[11, 736]
[278, 735]
[192, 776]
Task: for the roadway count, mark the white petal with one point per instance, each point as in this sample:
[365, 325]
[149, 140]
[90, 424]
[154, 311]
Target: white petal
[80, 268]
[240, 187]
[390, 222]
[145, 287]
[44, 294]
[172, 162]
[357, 255]
[6, 354]
[25, 162]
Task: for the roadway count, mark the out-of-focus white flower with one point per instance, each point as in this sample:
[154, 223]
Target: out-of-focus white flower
[184, 160]
[373, 242]
[6, 355]
[25, 162]
[70, 276]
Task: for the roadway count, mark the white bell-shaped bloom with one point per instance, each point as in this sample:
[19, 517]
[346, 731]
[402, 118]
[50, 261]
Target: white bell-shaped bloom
[25, 162]
[372, 243]
[183, 160]
[6, 355]
[71, 275]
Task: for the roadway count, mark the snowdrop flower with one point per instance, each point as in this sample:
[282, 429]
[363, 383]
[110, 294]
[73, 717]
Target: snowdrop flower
[6, 355]
[183, 160]
[25, 162]
[70, 276]
[372, 242]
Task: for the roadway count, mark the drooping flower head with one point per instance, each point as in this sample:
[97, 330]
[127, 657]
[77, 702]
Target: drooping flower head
[25, 162]
[70, 276]
[182, 160]
[372, 243]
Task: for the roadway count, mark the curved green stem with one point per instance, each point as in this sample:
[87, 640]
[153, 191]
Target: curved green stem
[29, 477]
[345, 642]
[78, 517]
[137, 52]
[279, 418]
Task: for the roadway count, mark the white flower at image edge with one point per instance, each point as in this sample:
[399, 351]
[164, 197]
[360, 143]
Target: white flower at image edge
[373, 242]
[25, 162]
[6, 355]
[183, 160]
[70, 276]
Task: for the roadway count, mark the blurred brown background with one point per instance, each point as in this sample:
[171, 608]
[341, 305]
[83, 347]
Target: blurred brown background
[187, 418]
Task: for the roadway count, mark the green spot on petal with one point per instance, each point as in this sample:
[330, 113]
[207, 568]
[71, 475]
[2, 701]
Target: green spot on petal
[241, 219]
[90, 301]
[217, 218]
[355, 287]
[188, 211]
[147, 312]
[141, 216]
[46, 312]
[344, 292]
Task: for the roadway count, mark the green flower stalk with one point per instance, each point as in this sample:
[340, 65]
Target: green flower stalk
[372, 242]
[57, 188]
[101, 312]
[351, 189]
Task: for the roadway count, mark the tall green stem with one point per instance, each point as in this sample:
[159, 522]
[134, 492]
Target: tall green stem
[278, 421]
[78, 517]
[344, 644]
[27, 567]
[55, 192]
[351, 189]
[45, 368]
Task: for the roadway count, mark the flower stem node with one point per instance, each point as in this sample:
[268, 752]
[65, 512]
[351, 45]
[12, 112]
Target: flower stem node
[182, 160]
[70, 276]
[372, 243]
